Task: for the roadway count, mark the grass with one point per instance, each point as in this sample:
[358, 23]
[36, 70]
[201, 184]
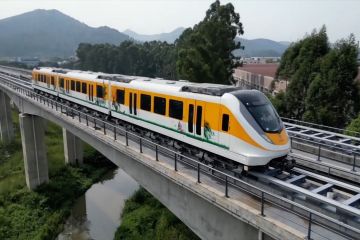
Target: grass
[144, 217]
[40, 214]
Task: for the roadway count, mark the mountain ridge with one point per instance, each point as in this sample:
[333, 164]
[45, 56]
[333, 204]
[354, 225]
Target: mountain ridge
[169, 37]
[52, 34]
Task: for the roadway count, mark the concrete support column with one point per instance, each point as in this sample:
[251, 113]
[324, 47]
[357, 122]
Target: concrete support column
[73, 148]
[35, 160]
[6, 125]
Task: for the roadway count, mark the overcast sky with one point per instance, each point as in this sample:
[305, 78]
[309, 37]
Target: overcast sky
[281, 20]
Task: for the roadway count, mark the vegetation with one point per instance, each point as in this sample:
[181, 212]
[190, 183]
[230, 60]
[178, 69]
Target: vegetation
[321, 80]
[144, 217]
[40, 214]
[151, 59]
[353, 127]
[203, 53]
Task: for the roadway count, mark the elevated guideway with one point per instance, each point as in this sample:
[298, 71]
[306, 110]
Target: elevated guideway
[215, 204]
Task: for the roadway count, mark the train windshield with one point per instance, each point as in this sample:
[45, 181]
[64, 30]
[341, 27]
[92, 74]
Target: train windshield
[261, 110]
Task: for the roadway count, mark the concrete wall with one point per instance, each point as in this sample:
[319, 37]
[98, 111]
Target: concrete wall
[6, 125]
[34, 151]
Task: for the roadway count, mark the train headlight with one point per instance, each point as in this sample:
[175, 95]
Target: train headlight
[266, 138]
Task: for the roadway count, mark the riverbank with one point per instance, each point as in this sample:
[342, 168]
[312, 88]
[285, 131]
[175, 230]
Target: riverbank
[144, 217]
[42, 213]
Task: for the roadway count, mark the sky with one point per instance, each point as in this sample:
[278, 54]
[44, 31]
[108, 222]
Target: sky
[279, 20]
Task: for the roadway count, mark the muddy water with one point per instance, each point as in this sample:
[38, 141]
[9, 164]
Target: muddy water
[96, 214]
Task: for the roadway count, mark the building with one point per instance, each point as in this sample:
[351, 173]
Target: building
[259, 76]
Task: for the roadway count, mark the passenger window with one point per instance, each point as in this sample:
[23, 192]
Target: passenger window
[159, 105]
[72, 86]
[78, 86]
[225, 122]
[52, 81]
[99, 91]
[61, 82]
[145, 102]
[120, 96]
[198, 120]
[176, 109]
[191, 118]
[83, 88]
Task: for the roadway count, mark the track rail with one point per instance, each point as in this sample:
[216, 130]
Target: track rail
[341, 197]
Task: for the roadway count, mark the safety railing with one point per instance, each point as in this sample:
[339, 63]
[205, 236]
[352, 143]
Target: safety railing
[230, 183]
[322, 148]
[321, 127]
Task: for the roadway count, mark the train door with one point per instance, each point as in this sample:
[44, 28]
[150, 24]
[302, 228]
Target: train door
[91, 92]
[133, 96]
[199, 119]
[67, 85]
[190, 117]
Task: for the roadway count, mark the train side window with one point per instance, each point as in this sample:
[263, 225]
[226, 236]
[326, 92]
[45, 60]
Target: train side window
[52, 81]
[72, 86]
[225, 122]
[61, 82]
[78, 86]
[145, 102]
[198, 120]
[176, 109]
[120, 96]
[159, 105]
[83, 88]
[191, 118]
[99, 91]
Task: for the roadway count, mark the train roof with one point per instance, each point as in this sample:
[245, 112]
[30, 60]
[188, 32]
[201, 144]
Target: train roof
[138, 81]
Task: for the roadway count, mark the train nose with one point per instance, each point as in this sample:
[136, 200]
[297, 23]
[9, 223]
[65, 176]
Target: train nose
[278, 138]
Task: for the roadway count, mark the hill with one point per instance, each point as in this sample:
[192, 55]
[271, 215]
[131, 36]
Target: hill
[261, 48]
[169, 37]
[50, 33]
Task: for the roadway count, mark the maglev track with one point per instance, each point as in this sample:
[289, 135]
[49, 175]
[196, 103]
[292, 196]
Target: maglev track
[336, 199]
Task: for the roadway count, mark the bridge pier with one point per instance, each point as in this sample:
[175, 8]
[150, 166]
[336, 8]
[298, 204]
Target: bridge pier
[73, 148]
[6, 125]
[34, 151]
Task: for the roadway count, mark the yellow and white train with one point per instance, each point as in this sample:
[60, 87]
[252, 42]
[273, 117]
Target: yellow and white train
[238, 126]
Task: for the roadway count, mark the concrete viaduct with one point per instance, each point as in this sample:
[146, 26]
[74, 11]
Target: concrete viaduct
[202, 207]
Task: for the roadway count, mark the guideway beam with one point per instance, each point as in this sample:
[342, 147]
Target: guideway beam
[6, 125]
[73, 148]
[32, 137]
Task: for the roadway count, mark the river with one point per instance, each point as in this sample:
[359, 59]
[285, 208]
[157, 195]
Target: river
[96, 214]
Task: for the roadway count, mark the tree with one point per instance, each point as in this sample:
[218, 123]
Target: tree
[205, 51]
[300, 65]
[332, 96]
[353, 128]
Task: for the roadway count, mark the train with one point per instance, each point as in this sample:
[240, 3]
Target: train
[220, 124]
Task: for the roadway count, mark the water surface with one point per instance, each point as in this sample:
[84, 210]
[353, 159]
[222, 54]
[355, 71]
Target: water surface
[96, 214]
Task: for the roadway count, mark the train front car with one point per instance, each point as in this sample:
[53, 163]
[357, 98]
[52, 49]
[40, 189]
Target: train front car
[259, 135]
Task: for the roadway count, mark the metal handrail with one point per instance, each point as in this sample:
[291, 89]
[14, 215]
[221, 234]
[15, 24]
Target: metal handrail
[349, 153]
[226, 177]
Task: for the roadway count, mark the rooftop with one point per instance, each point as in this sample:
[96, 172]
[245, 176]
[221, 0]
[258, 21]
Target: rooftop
[268, 69]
